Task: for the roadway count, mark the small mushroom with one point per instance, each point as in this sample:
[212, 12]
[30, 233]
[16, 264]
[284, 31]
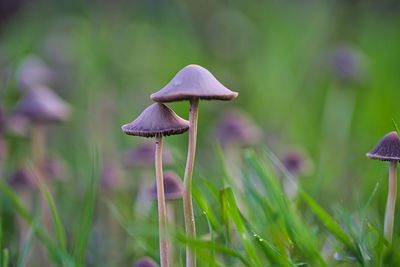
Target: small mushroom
[157, 121]
[388, 149]
[192, 83]
[236, 128]
[146, 262]
[297, 164]
[41, 106]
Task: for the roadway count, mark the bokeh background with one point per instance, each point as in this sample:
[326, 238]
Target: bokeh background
[320, 77]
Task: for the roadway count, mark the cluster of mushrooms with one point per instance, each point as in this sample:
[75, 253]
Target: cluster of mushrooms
[192, 83]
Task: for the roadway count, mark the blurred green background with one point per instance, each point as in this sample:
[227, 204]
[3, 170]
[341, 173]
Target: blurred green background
[319, 76]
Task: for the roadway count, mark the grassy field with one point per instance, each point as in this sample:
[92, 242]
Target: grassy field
[318, 79]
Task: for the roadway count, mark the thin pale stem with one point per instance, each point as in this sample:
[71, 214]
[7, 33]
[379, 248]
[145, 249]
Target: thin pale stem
[38, 147]
[391, 202]
[162, 213]
[190, 225]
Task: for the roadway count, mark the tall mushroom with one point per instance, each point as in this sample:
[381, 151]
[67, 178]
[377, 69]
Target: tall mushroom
[192, 83]
[157, 121]
[388, 149]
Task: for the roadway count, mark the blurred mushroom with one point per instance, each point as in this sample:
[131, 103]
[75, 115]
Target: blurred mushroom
[41, 106]
[192, 83]
[22, 179]
[297, 164]
[347, 64]
[236, 128]
[157, 121]
[388, 149]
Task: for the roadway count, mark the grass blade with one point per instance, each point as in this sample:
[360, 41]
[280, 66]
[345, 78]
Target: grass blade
[89, 201]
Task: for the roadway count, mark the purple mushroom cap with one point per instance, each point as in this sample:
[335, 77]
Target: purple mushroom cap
[21, 178]
[347, 64]
[296, 162]
[193, 81]
[388, 148]
[146, 262]
[155, 120]
[40, 104]
[173, 187]
[235, 127]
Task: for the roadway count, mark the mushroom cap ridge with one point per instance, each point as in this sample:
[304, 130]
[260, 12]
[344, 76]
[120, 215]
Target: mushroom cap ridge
[388, 148]
[157, 119]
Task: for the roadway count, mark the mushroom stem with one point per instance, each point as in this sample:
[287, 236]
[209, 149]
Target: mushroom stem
[162, 214]
[38, 147]
[187, 192]
[391, 202]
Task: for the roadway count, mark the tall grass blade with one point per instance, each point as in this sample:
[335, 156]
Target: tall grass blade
[26, 248]
[83, 233]
[233, 212]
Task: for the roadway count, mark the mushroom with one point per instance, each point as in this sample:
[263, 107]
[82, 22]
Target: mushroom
[41, 106]
[235, 128]
[388, 149]
[173, 189]
[146, 262]
[157, 121]
[297, 163]
[192, 83]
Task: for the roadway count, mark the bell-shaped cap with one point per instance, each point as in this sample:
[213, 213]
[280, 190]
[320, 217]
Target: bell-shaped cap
[156, 120]
[146, 262]
[193, 82]
[40, 104]
[388, 148]
[142, 156]
[173, 187]
[297, 162]
[235, 127]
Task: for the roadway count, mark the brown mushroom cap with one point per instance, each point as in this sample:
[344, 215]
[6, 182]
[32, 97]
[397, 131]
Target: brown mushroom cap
[155, 120]
[173, 187]
[40, 104]
[193, 82]
[388, 148]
